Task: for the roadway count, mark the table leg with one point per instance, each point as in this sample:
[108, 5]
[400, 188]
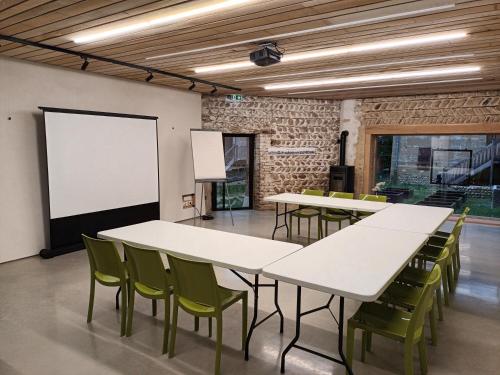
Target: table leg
[299, 315]
[297, 330]
[254, 319]
[341, 336]
[276, 304]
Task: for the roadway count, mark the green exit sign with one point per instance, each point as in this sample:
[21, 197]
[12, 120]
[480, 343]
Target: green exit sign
[234, 98]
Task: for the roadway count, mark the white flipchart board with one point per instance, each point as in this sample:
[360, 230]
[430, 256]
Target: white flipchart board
[208, 155]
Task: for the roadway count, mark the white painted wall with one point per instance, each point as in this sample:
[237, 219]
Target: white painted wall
[23, 183]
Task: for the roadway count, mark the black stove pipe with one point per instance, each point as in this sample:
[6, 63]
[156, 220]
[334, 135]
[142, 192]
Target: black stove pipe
[343, 142]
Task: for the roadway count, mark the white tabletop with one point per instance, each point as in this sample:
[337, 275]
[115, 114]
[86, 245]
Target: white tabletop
[327, 202]
[229, 250]
[356, 262]
[408, 217]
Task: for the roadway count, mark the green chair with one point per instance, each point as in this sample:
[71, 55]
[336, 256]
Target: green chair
[196, 291]
[149, 279]
[406, 327]
[407, 296]
[440, 237]
[307, 213]
[371, 198]
[107, 268]
[419, 276]
[334, 215]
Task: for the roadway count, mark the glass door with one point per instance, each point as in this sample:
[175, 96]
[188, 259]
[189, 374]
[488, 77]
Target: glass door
[238, 154]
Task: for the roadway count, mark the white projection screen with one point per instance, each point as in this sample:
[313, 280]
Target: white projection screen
[208, 155]
[102, 172]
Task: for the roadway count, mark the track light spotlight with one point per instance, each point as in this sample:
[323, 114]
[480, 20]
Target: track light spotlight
[85, 64]
[149, 77]
[193, 85]
[214, 90]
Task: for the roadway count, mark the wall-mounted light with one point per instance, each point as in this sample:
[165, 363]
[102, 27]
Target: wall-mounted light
[85, 64]
[149, 77]
[193, 85]
[213, 91]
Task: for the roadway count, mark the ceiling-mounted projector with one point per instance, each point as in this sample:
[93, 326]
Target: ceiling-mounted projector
[267, 55]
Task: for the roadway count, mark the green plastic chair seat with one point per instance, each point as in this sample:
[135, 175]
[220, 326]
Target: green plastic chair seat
[334, 217]
[228, 297]
[107, 280]
[383, 320]
[431, 252]
[402, 295]
[414, 276]
[306, 212]
[145, 290]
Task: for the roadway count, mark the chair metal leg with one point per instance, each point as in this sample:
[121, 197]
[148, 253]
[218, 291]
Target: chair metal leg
[363, 346]
[218, 345]
[175, 313]
[422, 353]
[308, 230]
[210, 327]
[154, 307]
[439, 301]
[350, 346]
[432, 324]
[91, 299]
[408, 356]
[196, 324]
[166, 324]
[130, 312]
[123, 318]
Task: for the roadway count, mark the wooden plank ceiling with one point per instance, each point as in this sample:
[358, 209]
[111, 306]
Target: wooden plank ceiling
[55, 22]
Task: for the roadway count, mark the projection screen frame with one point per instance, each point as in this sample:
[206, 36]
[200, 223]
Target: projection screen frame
[108, 219]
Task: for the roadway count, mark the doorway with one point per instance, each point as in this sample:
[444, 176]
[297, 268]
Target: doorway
[239, 158]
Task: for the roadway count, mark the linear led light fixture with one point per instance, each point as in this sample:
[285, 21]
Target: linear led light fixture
[132, 27]
[353, 67]
[421, 7]
[382, 86]
[376, 77]
[356, 48]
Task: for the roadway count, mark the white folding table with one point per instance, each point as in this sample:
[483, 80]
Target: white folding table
[408, 217]
[346, 205]
[236, 252]
[357, 262]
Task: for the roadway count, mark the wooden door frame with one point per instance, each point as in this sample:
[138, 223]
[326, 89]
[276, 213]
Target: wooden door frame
[417, 129]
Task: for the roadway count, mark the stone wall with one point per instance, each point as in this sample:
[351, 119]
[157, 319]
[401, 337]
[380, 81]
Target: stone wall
[281, 122]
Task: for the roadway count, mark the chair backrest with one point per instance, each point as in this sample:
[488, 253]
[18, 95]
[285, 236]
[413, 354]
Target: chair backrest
[313, 192]
[341, 194]
[146, 267]
[443, 257]
[417, 319]
[104, 257]
[373, 198]
[194, 281]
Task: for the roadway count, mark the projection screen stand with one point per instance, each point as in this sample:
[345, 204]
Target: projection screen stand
[200, 211]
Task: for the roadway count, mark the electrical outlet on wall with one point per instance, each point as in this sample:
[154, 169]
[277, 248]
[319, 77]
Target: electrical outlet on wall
[188, 200]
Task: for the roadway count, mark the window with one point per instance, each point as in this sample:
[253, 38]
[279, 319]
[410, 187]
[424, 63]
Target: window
[441, 170]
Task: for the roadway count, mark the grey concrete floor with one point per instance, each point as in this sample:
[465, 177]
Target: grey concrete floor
[43, 327]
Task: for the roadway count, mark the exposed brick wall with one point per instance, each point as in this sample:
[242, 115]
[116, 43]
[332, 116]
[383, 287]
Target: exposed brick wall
[286, 122]
[455, 108]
